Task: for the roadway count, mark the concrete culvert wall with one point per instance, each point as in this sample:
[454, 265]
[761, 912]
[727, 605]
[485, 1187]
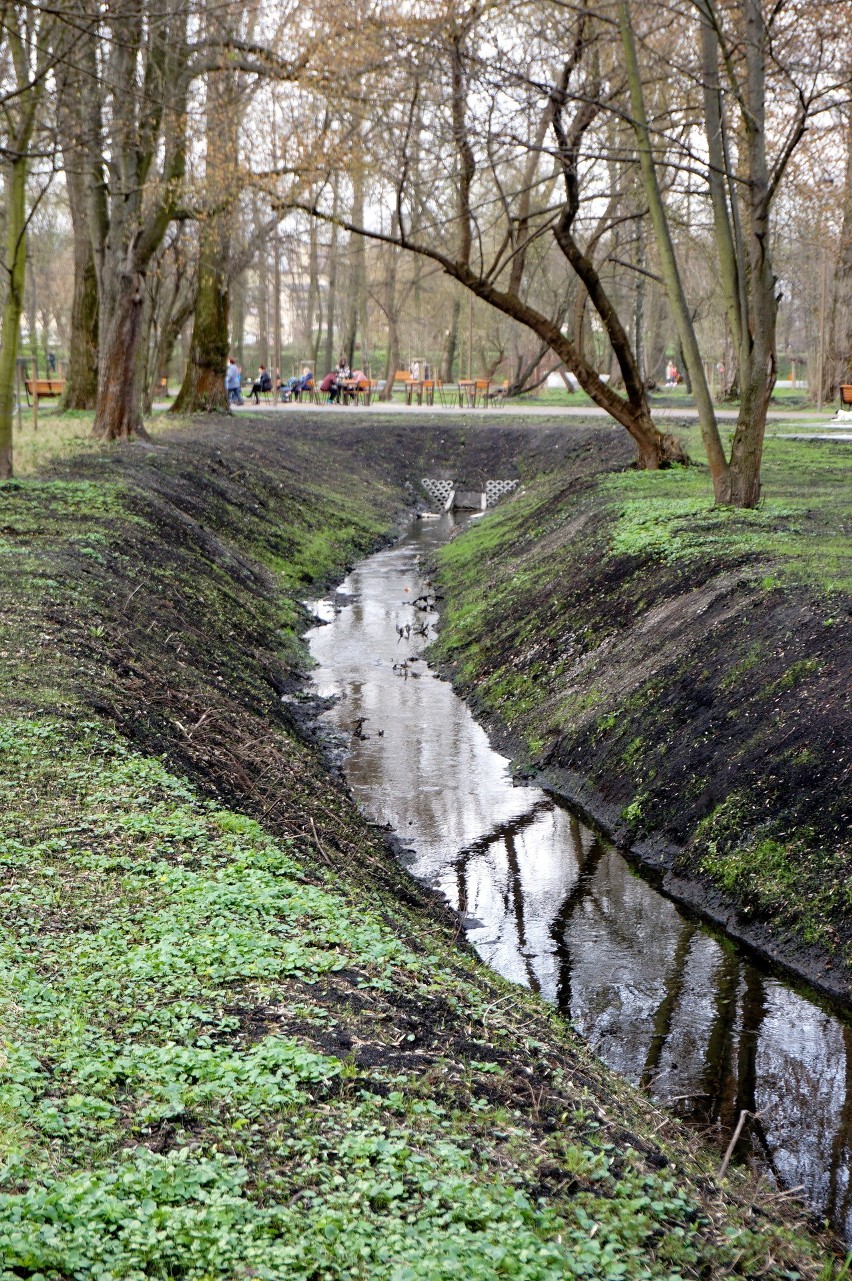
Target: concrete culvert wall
[451, 496]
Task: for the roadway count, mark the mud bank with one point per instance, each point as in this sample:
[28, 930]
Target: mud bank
[237, 1038]
[694, 701]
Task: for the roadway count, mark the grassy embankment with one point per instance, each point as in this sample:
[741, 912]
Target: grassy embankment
[693, 663]
[236, 1041]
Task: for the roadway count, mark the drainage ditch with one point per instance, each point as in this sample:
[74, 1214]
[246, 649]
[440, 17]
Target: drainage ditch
[674, 1007]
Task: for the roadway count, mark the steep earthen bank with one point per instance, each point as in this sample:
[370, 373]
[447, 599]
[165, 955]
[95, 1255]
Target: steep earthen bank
[698, 707]
[256, 1048]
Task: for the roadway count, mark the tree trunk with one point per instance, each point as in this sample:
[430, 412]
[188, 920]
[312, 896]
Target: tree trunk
[330, 360]
[117, 416]
[313, 294]
[203, 389]
[16, 261]
[356, 320]
[33, 320]
[842, 323]
[81, 374]
[238, 324]
[668, 261]
[757, 348]
[391, 310]
[639, 304]
[448, 359]
[262, 352]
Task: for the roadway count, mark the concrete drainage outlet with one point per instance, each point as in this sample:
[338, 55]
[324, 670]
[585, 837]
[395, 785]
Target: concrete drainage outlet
[451, 498]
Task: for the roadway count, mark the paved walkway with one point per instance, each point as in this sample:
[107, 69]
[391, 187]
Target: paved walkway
[381, 407]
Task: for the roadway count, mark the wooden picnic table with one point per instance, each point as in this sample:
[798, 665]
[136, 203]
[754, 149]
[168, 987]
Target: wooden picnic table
[422, 388]
[473, 389]
[351, 390]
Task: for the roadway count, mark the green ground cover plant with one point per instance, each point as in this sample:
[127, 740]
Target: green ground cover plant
[235, 1040]
[153, 1126]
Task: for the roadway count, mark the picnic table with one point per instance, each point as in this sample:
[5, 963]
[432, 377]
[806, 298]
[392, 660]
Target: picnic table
[421, 388]
[472, 390]
[351, 391]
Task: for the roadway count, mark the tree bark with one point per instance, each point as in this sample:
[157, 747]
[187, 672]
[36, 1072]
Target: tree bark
[448, 360]
[16, 261]
[81, 374]
[356, 320]
[22, 114]
[203, 389]
[668, 261]
[118, 416]
[757, 349]
[332, 289]
[842, 325]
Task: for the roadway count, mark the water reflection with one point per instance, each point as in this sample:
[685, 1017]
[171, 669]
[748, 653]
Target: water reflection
[663, 1001]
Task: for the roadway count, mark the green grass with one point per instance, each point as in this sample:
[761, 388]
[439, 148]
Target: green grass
[803, 526]
[155, 1126]
[224, 1054]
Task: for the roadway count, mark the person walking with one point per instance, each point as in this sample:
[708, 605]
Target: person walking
[233, 382]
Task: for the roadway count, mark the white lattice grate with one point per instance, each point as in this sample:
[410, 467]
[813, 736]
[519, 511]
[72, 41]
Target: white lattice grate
[440, 490]
[497, 489]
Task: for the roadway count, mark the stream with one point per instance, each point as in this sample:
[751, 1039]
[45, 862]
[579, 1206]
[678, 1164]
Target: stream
[662, 999]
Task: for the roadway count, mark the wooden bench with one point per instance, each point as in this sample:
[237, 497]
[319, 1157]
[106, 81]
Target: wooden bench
[39, 388]
[846, 394]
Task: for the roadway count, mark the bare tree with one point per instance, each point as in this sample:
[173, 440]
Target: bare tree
[764, 71]
[26, 46]
[506, 133]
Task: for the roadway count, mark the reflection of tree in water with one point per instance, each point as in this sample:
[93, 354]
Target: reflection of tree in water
[717, 1101]
[839, 1203]
[588, 862]
[664, 1016]
[513, 898]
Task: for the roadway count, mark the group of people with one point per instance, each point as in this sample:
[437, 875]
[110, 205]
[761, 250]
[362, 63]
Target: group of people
[341, 380]
[292, 389]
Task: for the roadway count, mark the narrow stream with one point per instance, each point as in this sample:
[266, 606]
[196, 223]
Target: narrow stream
[547, 903]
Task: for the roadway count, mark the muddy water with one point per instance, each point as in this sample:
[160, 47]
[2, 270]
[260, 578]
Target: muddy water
[547, 903]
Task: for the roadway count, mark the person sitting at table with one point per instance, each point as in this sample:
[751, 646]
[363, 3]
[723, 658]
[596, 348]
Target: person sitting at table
[295, 386]
[263, 382]
[331, 386]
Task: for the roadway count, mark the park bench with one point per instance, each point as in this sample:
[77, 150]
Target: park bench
[846, 394]
[40, 388]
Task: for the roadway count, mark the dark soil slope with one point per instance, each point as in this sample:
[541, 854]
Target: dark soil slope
[237, 1041]
[685, 675]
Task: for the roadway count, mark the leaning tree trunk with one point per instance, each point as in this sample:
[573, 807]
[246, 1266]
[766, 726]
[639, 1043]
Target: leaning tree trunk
[668, 260]
[203, 389]
[117, 416]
